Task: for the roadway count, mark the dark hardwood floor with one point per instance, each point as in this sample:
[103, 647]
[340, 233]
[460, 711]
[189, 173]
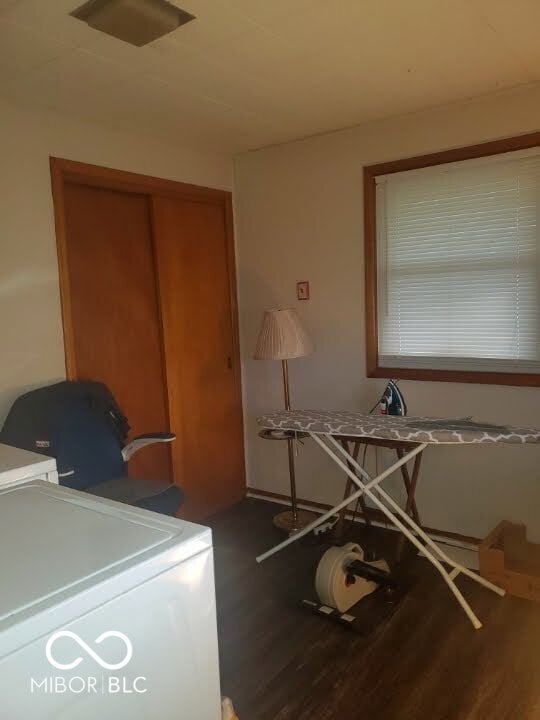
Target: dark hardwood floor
[280, 662]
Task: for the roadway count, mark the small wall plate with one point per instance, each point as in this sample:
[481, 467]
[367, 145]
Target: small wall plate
[302, 290]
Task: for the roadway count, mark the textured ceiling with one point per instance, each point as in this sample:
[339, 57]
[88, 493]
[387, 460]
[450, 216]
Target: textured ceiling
[250, 73]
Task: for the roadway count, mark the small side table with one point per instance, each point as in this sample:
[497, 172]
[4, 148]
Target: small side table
[289, 520]
[269, 434]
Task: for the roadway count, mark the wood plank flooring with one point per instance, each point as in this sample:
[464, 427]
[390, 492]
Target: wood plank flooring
[279, 662]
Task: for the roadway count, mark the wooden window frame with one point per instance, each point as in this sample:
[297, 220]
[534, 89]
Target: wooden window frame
[371, 172]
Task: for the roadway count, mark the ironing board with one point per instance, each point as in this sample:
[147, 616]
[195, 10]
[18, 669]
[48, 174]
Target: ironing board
[324, 427]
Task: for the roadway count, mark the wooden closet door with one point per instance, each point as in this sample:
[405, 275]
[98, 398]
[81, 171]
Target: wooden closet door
[114, 312]
[199, 339]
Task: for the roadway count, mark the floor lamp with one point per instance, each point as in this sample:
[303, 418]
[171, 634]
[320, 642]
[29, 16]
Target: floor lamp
[282, 337]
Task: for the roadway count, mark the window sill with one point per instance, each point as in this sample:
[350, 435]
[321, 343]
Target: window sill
[455, 376]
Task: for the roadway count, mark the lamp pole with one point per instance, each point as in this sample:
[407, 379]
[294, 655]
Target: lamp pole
[290, 446]
[282, 337]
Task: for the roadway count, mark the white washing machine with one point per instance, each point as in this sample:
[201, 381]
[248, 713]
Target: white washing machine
[106, 611]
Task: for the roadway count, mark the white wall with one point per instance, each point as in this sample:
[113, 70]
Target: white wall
[32, 352]
[299, 217]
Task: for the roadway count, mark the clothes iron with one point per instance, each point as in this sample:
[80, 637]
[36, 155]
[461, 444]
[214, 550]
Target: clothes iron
[392, 401]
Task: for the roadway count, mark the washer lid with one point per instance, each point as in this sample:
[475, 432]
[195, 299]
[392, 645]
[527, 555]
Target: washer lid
[16, 464]
[56, 543]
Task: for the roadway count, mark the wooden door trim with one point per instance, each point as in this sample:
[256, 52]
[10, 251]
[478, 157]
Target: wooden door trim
[125, 181]
[70, 171]
[58, 180]
[233, 295]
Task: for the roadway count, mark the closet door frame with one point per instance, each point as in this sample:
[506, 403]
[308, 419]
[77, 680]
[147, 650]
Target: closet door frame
[71, 171]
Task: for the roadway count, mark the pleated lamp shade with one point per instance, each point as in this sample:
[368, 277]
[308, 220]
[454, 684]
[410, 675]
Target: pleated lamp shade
[282, 336]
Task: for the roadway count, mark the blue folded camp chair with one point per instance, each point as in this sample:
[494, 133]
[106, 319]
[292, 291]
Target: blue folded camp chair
[80, 424]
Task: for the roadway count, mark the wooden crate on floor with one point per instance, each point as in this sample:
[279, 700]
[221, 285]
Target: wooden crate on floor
[510, 561]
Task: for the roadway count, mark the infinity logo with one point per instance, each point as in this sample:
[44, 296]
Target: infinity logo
[88, 650]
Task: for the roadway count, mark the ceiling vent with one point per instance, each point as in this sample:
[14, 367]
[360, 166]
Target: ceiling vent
[137, 22]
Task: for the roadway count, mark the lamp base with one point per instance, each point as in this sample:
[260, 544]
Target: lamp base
[287, 522]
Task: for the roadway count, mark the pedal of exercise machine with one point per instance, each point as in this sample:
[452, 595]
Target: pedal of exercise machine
[344, 578]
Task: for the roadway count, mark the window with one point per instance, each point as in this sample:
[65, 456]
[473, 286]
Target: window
[453, 265]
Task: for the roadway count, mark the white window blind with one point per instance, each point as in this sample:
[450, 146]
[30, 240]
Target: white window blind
[458, 265]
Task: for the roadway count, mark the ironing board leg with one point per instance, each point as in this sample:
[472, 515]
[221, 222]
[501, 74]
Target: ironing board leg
[399, 518]
[410, 484]
[399, 510]
[305, 531]
[347, 501]
[437, 555]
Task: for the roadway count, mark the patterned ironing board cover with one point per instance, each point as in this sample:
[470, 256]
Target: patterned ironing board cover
[391, 427]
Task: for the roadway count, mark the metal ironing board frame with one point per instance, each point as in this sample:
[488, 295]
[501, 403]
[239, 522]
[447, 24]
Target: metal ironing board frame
[370, 486]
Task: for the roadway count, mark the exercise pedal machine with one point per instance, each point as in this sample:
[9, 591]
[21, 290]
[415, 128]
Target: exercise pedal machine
[345, 576]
